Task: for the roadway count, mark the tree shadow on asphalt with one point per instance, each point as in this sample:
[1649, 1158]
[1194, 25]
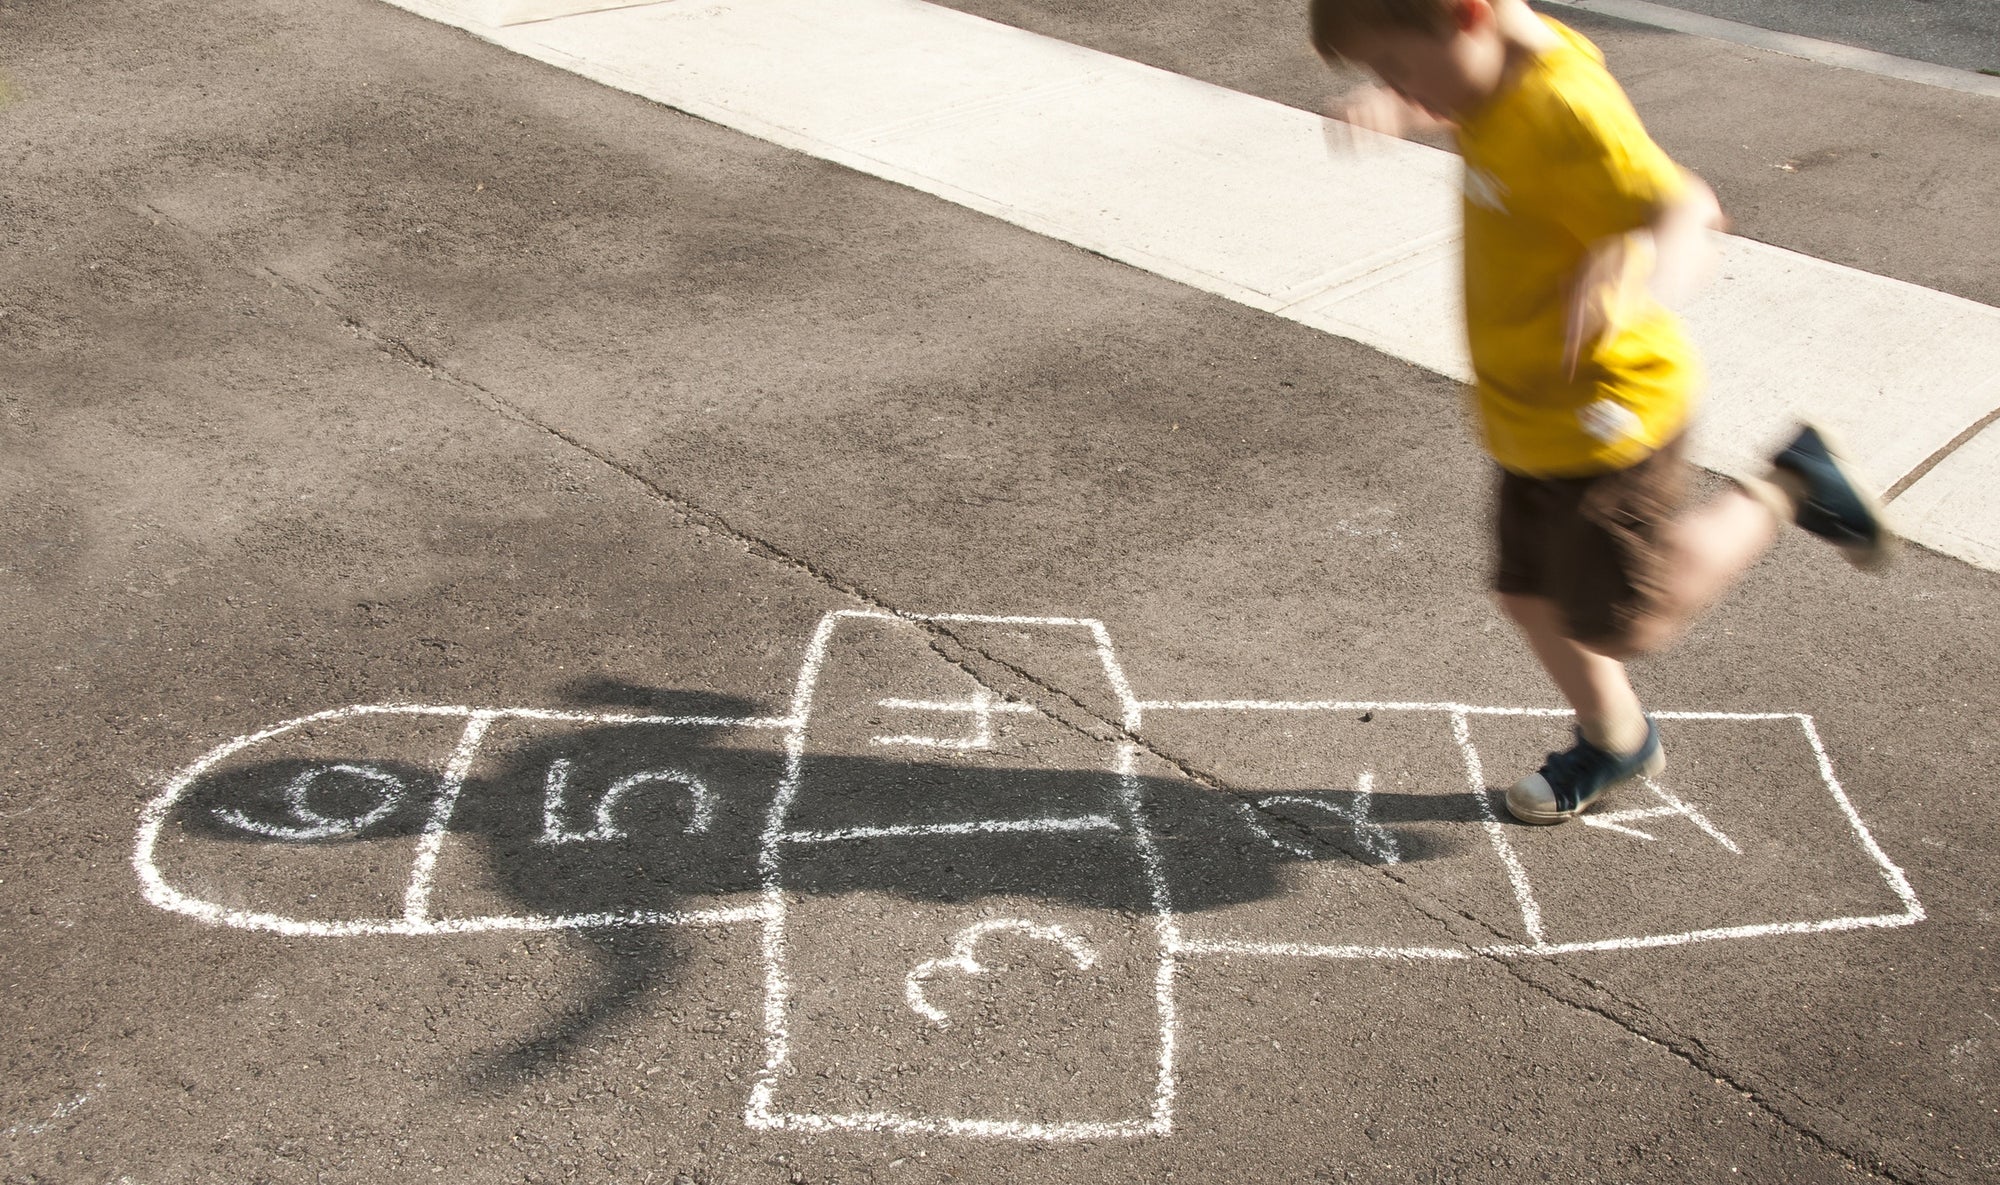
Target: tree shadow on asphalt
[606, 826]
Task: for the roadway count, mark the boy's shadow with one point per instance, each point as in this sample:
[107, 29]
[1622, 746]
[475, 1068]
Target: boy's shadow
[611, 826]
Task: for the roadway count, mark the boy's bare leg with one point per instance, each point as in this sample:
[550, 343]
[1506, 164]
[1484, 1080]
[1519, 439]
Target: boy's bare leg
[1607, 709]
[1711, 547]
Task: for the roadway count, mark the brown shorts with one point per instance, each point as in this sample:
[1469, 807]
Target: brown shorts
[1593, 545]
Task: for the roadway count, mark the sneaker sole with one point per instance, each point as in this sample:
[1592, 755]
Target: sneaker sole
[1869, 557]
[1651, 769]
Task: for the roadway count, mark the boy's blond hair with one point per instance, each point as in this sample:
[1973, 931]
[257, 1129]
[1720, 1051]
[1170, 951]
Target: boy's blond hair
[1337, 24]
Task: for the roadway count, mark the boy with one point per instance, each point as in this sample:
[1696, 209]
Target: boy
[1578, 231]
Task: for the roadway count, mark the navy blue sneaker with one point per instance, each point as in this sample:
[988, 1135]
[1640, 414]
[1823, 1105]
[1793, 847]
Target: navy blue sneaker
[1570, 783]
[1832, 503]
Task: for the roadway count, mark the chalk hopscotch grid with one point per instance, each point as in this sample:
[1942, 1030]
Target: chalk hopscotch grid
[1460, 716]
[417, 920]
[761, 1112]
[770, 912]
[981, 706]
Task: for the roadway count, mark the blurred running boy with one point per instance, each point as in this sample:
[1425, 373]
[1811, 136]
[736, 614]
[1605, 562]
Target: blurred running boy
[1579, 234]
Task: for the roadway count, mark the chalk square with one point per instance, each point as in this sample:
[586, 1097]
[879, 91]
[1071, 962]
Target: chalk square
[606, 818]
[317, 824]
[1064, 654]
[1343, 831]
[1007, 980]
[1744, 830]
[900, 737]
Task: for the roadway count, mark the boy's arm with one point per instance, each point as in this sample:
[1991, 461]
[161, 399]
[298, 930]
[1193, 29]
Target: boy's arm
[1667, 259]
[1379, 109]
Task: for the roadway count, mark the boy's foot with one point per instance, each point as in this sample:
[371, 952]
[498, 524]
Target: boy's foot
[1570, 782]
[1830, 502]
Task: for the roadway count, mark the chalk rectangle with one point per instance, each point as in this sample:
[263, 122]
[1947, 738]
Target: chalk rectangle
[620, 821]
[1343, 835]
[313, 831]
[1742, 830]
[965, 933]
[1007, 980]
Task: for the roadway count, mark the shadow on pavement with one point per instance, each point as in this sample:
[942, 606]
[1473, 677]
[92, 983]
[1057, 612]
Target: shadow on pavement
[627, 819]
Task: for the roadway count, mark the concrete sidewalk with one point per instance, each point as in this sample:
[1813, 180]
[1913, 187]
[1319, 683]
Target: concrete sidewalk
[1240, 196]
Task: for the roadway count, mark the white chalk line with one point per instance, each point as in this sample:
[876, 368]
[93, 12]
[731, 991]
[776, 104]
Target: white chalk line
[417, 898]
[962, 744]
[973, 705]
[991, 1129]
[982, 706]
[1255, 822]
[1058, 823]
[964, 959]
[1166, 970]
[270, 923]
[1898, 883]
[1646, 812]
[1306, 950]
[1445, 706]
[760, 1111]
[153, 816]
[770, 911]
[1607, 823]
[1517, 876]
[1309, 950]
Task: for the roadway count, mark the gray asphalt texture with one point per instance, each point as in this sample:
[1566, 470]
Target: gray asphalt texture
[345, 359]
[1962, 33]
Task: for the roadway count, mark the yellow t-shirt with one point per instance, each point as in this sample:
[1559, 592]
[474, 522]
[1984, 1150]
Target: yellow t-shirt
[1554, 164]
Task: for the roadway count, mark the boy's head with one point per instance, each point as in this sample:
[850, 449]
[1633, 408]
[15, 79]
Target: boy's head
[1446, 56]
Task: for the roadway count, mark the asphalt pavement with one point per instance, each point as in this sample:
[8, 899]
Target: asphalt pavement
[1961, 33]
[877, 694]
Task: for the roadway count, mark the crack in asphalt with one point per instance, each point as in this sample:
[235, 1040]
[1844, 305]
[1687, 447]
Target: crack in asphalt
[1640, 1023]
[1627, 1015]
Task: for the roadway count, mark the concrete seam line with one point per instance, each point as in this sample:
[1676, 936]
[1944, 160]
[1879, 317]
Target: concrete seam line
[1939, 457]
[1812, 49]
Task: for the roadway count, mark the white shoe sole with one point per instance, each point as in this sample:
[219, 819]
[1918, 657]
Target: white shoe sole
[1529, 813]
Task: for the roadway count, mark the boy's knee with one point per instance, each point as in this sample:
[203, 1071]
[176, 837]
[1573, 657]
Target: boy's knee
[1637, 638]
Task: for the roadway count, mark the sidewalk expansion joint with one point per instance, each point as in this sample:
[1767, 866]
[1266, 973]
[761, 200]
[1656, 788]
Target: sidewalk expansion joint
[1939, 457]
